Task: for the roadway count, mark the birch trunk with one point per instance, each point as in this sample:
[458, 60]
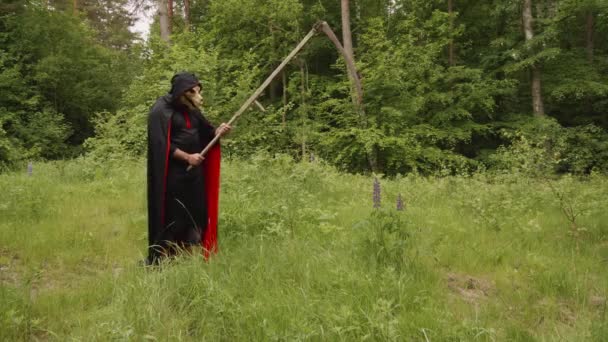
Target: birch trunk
[163, 20]
[535, 74]
[187, 14]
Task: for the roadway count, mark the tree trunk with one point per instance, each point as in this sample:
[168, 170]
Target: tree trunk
[552, 8]
[170, 14]
[284, 83]
[451, 44]
[527, 19]
[349, 56]
[304, 109]
[187, 14]
[347, 38]
[537, 98]
[75, 7]
[163, 20]
[350, 63]
[589, 35]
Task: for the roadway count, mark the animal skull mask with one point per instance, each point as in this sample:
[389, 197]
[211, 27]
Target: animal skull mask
[192, 98]
[186, 90]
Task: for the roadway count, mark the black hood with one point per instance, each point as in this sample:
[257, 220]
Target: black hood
[182, 82]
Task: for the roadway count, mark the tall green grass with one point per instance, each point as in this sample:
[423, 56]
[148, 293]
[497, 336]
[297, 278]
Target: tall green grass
[304, 256]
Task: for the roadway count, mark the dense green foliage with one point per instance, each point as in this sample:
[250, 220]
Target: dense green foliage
[55, 74]
[71, 75]
[470, 258]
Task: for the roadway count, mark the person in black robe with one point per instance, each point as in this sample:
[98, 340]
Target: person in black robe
[177, 133]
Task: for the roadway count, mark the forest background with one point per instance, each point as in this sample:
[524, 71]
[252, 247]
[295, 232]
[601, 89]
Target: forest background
[449, 86]
[465, 200]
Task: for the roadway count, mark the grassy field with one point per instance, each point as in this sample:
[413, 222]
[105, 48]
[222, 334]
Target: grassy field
[305, 256]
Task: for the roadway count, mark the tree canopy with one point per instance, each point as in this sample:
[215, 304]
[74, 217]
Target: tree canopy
[449, 86]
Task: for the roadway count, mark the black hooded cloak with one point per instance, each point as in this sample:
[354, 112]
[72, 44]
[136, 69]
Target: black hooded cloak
[176, 197]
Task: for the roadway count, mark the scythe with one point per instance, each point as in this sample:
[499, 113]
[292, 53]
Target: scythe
[320, 26]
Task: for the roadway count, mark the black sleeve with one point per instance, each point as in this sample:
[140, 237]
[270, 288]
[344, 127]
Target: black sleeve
[206, 130]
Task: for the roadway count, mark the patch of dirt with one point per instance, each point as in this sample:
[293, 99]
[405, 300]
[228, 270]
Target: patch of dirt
[12, 273]
[8, 267]
[598, 301]
[562, 311]
[470, 289]
[567, 314]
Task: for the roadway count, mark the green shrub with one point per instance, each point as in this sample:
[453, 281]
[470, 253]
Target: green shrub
[544, 148]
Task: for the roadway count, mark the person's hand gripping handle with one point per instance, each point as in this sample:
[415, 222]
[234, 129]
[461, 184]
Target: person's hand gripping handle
[196, 158]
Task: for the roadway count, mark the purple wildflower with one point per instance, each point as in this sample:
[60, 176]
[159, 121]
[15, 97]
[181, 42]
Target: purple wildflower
[376, 197]
[30, 169]
[400, 204]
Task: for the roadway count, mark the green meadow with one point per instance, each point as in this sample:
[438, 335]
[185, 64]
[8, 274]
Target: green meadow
[304, 255]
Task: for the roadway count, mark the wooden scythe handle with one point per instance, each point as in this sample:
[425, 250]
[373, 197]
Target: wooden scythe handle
[319, 26]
